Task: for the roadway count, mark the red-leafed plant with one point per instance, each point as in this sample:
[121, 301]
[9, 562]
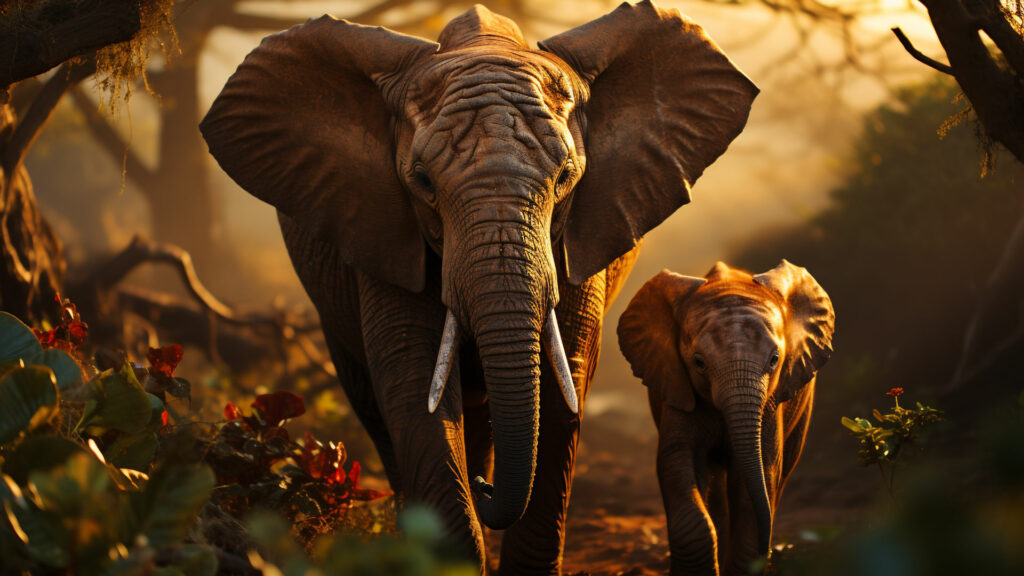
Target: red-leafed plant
[258, 464]
[69, 334]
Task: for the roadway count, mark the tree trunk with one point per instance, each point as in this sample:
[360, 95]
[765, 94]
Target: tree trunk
[181, 200]
[32, 261]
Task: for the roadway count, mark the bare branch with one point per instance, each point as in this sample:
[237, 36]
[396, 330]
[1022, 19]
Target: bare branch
[40, 110]
[113, 143]
[36, 39]
[994, 93]
[918, 55]
[141, 251]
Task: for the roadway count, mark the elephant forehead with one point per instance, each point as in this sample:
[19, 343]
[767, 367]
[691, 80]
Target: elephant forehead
[530, 79]
[730, 316]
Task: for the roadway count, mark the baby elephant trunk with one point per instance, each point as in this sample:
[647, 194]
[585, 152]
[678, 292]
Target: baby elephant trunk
[742, 405]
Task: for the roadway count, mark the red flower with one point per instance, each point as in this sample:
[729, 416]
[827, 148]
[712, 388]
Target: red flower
[164, 417]
[279, 406]
[163, 361]
[77, 332]
[895, 392]
[231, 412]
[47, 338]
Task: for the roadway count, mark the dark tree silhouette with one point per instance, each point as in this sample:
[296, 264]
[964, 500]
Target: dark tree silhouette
[36, 36]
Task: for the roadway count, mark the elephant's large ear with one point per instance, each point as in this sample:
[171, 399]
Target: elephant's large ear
[810, 323]
[303, 125]
[665, 102]
[649, 337]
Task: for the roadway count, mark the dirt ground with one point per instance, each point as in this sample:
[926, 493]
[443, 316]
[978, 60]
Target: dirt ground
[616, 524]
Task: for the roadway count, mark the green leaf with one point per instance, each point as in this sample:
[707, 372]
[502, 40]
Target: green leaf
[171, 502]
[853, 425]
[196, 560]
[81, 481]
[41, 533]
[118, 402]
[16, 339]
[134, 451]
[68, 372]
[179, 388]
[39, 453]
[8, 366]
[28, 397]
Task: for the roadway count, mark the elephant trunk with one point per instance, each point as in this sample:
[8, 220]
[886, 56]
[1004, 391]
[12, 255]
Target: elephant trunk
[505, 283]
[742, 404]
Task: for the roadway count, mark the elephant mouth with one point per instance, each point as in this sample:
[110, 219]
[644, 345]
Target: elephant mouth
[552, 343]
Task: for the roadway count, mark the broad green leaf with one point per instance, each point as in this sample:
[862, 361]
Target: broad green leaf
[118, 402]
[68, 372]
[171, 502]
[39, 453]
[28, 397]
[196, 560]
[135, 451]
[41, 532]
[7, 366]
[16, 339]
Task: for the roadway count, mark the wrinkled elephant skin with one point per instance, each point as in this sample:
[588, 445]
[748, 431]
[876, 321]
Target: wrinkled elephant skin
[730, 362]
[477, 191]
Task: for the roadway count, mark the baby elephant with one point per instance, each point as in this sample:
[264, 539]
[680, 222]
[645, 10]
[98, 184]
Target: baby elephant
[729, 361]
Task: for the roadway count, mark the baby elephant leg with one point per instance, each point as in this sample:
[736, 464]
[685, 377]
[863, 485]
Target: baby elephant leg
[691, 533]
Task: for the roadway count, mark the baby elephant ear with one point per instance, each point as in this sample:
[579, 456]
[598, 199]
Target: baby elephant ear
[810, 323]
[665, 102]
[303, 125]
[649, 337]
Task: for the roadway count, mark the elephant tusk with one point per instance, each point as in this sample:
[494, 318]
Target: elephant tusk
[445, 356]
[556, 355]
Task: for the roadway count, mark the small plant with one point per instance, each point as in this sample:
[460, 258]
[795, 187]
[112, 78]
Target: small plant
[882, 444]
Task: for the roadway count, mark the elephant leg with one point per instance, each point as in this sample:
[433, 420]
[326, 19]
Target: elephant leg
[355, 381]
[479, 437]
[334, 289]
[693, 542]
[717, 500]
[534, 544]
[402, 334]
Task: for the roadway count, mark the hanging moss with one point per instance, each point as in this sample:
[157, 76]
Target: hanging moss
[119, 65]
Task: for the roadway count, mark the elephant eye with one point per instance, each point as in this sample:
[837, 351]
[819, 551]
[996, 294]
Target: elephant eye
[774, 360]
[698, 361]
[419, 175]
[565, 176]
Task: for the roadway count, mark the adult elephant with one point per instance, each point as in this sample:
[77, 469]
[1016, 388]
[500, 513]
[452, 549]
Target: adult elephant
[454, 207]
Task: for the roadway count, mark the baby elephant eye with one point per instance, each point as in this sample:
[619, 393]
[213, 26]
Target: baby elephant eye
[698, 361]
[774, 360]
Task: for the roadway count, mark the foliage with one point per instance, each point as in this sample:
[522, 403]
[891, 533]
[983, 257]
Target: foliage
[258, 465]
[882, 444]
[962, 515]
[104, 475]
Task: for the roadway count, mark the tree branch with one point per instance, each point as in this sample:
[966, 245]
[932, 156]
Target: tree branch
[35, 39]
[994, 93]
[990, 15]
[918, 55]
[41, 109]
[111, 141]
[141, 251]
